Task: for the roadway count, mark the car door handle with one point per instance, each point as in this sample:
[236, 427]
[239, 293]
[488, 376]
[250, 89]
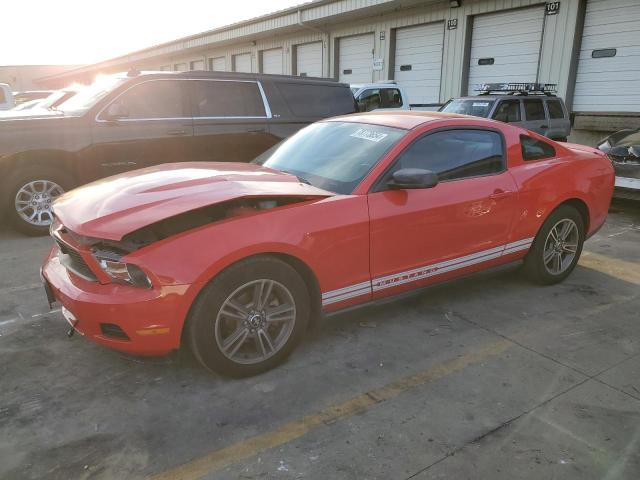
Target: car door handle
[176, 132]
[499, 193]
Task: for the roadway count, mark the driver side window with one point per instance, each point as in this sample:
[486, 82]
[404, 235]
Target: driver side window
[455, 154]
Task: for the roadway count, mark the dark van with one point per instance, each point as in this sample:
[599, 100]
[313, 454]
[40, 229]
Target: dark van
[134, 120]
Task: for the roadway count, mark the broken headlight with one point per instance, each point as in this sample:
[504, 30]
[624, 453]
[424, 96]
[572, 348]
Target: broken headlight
[121, 272]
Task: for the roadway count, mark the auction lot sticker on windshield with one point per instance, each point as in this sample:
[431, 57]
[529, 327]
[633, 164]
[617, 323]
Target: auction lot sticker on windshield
[480, 104]
[368, 135]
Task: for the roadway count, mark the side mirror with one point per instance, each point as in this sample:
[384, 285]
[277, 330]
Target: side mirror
[620, 152]
[116, 111]
[412, 178]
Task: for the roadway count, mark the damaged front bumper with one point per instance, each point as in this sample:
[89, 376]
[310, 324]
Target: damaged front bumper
[129, 319]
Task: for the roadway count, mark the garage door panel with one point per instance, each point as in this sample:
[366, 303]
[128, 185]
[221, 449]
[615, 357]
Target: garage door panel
[621, 29]
[420, 46]
[510, 43]
[272, 61]
[609, 84]
[604, 5]
[355, 58]
[504, 31]
[218, 64]
[242, 62]
[607, 76]
[309, 59]
[512, 39]
[617, 65]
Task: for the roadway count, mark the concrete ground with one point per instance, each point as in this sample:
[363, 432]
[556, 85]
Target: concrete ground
[487, 378]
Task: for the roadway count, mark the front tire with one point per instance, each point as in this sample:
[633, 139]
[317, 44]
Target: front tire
[29, 196]
[556, 248]
[249, 318]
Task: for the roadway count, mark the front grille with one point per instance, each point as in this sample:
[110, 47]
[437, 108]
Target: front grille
[74, 261]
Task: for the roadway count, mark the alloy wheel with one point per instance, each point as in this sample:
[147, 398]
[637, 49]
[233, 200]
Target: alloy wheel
[255, 321]
[33, 201]
[561, 246]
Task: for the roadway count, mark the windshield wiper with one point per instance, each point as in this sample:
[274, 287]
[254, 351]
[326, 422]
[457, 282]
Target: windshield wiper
[300, 179]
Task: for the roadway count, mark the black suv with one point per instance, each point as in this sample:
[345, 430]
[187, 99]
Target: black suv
[134, 120]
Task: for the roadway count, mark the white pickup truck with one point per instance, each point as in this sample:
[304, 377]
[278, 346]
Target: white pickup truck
[6, 97]
[386, 94]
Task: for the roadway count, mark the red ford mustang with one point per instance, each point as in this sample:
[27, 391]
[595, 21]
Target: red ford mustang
[233, 259]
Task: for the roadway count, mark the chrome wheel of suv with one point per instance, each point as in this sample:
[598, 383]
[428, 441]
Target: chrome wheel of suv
[33, 201]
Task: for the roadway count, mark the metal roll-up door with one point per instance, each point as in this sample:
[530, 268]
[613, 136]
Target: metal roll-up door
[309, 59]
[218, 64]
[272, 61]
[505, 46]
[355, 59]
[196, 65]
[418, 61]
[608, 77]
[242, 62]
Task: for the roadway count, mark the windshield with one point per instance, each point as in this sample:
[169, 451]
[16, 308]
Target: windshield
[630, 140]
[334, 156]
[479, 107]
[88, 96]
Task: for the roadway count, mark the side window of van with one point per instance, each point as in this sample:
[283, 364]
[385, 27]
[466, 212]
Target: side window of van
[215, 98]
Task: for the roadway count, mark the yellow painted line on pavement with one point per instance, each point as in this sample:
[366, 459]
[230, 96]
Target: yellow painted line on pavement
[219, 459]
[621, 269]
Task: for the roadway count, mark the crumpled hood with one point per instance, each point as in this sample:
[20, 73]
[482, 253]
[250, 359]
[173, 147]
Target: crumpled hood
[118, 205]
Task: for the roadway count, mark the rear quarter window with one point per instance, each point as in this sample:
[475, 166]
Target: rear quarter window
[555, 109]
[317, 100]
[533, 149]
[534, 110]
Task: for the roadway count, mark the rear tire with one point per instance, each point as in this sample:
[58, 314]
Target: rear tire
[556, 248]
[29, 195]
[237, 332]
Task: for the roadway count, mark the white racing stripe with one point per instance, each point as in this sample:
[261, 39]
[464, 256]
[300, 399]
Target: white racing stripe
[420, 273]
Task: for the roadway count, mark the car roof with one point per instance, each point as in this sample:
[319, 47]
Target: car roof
[205, 74]
[405, 119]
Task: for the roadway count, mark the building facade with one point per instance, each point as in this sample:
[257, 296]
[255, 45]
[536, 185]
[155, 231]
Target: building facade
[436, 49]
[24, 77]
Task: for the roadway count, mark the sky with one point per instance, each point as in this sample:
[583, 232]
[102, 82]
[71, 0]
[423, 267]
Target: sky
[89, 31]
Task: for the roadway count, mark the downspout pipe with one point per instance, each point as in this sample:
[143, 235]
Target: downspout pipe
[319, 30]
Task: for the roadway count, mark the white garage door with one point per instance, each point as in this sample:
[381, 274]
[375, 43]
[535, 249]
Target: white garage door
[418, 61]
[242, 62]
[355, 59]
[272, 61]
[196, 65]
[218, 64]
[505, 47]
[309, 59]
[608, 78]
